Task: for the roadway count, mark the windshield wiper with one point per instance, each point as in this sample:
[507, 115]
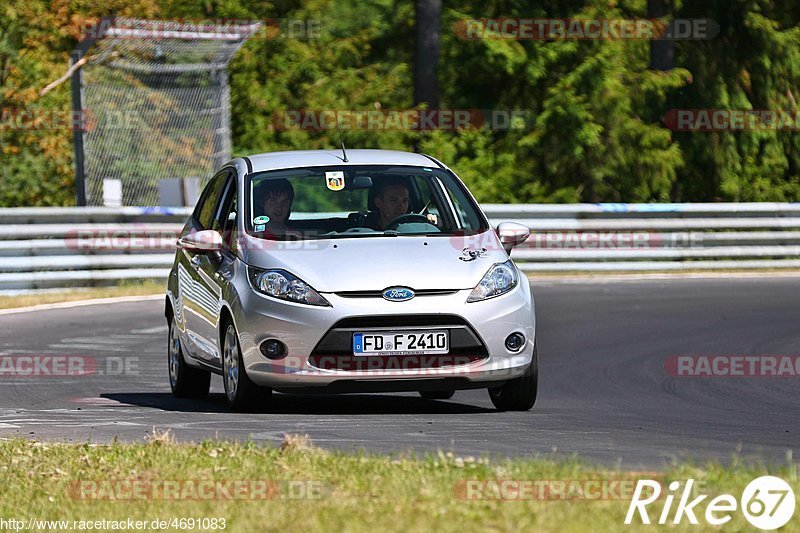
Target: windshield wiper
[325, 236]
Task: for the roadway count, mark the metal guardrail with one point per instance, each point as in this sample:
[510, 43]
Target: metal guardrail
[44, 248]
[57, 247]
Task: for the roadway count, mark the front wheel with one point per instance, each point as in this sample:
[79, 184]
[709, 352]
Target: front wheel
[240, 392]
[518, 394]
[185, 381]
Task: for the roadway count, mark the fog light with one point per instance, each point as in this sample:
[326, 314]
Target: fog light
[515, 342]
[273, 349]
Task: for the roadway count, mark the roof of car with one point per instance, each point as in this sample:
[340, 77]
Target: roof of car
[313, 158]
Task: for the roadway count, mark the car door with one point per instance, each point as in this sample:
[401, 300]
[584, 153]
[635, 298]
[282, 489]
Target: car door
[214, 270]
[199, 299]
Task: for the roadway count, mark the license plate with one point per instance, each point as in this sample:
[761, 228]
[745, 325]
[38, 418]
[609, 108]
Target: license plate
[401, 343]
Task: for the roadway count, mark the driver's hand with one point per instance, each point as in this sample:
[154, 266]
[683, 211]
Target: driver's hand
[433, 219]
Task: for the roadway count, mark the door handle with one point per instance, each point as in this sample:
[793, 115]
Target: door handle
[195, 261]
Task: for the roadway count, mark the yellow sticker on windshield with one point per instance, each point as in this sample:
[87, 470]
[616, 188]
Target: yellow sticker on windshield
[335, 180]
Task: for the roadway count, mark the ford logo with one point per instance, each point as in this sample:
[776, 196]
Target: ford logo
[398, 294]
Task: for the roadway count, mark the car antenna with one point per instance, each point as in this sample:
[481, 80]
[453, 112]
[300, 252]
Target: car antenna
[341, 139]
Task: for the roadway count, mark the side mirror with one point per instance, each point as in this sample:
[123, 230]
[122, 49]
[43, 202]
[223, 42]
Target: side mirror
[512, 234]
[201, 242]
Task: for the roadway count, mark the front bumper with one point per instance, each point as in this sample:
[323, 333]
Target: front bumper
[302, 327]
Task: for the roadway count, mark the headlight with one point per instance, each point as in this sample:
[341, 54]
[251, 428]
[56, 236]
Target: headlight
[280, 284]
[500, 279]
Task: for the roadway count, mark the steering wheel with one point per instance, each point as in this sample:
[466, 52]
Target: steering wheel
[407, 219]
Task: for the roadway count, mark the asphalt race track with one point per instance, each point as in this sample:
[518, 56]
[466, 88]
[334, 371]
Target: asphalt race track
[604, 392]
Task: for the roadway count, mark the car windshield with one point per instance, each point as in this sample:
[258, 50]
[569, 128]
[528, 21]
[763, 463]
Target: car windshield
[362, 201]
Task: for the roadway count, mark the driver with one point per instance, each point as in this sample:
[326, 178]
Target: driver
[391, 201]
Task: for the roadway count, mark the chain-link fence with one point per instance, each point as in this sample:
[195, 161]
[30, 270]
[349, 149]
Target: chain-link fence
[157, 107]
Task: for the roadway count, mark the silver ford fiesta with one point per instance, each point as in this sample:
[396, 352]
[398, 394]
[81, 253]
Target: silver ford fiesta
[358, 271]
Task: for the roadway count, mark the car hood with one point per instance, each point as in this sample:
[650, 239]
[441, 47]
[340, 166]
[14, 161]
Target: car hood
[375, 263]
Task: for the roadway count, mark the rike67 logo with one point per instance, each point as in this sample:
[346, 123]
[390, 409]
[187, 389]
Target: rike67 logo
[767, 502]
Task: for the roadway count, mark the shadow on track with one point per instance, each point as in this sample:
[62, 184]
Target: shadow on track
[345, 404]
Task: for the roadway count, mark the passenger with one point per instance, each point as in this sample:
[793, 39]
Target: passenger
[276, 199]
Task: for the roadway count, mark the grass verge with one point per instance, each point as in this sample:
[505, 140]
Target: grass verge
[315, 490]
[89, 293]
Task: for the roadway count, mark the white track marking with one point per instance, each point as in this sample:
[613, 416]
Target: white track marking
[150, 331]
[94, 346]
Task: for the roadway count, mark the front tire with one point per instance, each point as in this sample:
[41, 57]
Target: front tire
[518, 394]
[185, 381]
[240, 392]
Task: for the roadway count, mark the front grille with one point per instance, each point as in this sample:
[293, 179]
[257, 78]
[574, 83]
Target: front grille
[379, 294]
[400, 321]
[335, 350]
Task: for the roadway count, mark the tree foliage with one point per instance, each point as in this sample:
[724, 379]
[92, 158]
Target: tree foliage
[593, 128]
